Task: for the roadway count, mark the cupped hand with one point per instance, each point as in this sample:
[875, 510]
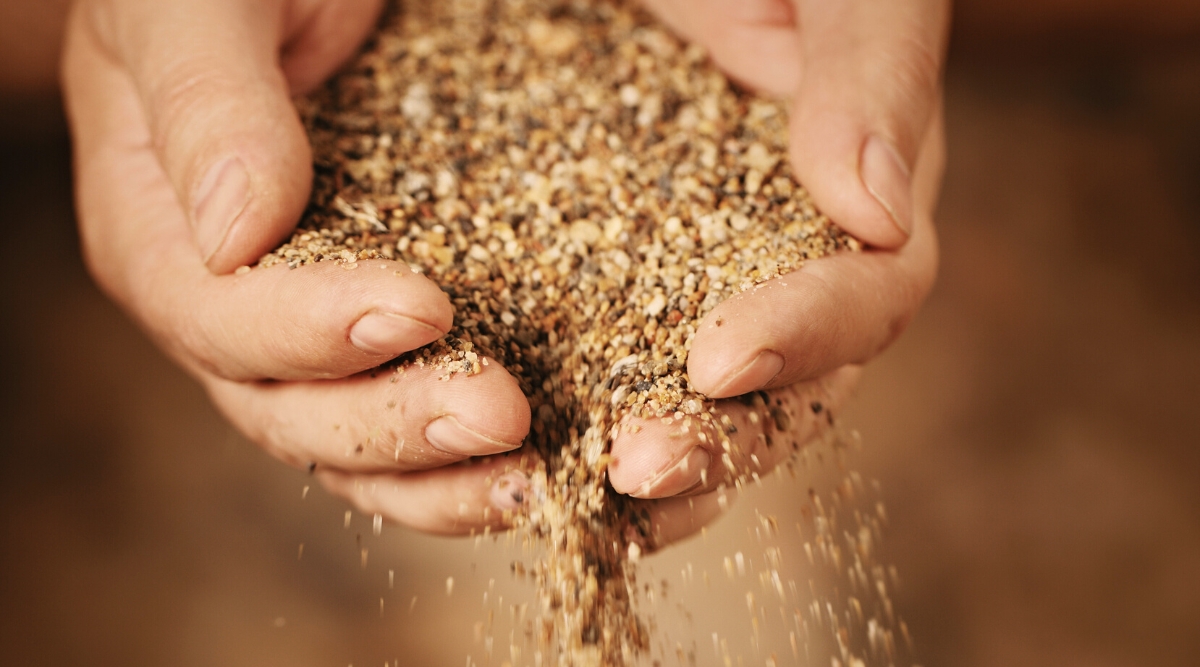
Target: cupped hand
[190, 161]
[864, 83]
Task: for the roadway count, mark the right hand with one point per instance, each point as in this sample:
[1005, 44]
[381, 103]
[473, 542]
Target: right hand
[190, 161]
[864, 80]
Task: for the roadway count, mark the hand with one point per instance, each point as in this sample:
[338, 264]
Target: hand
[190, 161]
[190, 155]
[866, 140]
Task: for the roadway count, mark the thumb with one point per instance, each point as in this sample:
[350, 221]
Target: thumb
[219, 113]
[870, 83]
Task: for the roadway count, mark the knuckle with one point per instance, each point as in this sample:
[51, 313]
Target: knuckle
[179, 93]
[266, 426]
[99, 261]
[914, 73]
[194, 344]
[385, 446]
[97, 17]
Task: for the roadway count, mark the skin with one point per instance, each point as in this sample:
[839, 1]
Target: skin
[190, 162]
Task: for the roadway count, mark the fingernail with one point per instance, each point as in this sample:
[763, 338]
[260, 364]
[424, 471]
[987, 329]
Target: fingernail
[220, 199]
[447, 434]
[755, 375]
[510, 491]
[684, 475]
[391, 333]
[888, 180]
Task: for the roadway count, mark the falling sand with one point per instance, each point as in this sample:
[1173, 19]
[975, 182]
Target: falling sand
[585, 188]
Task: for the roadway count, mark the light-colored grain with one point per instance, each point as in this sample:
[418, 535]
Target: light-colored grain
[585, 188]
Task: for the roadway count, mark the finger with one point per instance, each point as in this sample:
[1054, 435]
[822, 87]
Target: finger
[322, 35]
[487, 493]
[870, 85]
[452, 500]
[406, 419]
[754, 41]
[675, 519]
[315, 321]
[219, 115]
[865, 78]
[322, 320]
[750, 435]
[837, 310]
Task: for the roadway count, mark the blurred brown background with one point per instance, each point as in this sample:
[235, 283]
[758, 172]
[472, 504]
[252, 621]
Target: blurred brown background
[1035, 433]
